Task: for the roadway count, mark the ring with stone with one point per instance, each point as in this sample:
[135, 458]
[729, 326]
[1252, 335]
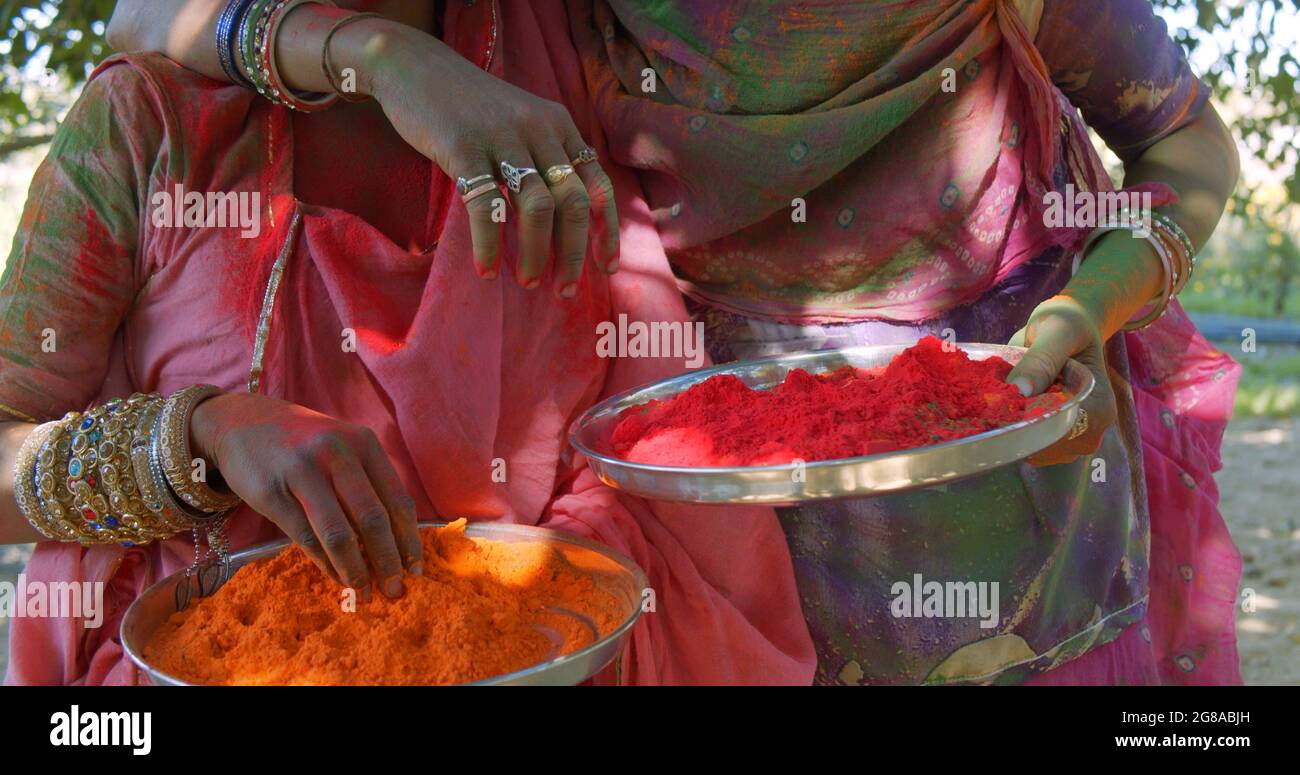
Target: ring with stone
[514, 176]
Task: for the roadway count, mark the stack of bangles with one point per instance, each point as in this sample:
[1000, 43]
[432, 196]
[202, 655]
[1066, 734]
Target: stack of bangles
[1171, 244]
[247, 31]
[119, 473]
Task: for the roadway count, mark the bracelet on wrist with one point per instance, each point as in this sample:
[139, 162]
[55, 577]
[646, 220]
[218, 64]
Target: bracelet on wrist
[102, 476]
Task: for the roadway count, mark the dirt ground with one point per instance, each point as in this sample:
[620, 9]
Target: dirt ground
[1260, 497]
[1260, 491]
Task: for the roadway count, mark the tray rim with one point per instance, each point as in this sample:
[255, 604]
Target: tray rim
[474, 529]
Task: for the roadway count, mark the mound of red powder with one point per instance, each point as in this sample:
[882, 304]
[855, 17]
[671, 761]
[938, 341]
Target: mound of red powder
[927, 394]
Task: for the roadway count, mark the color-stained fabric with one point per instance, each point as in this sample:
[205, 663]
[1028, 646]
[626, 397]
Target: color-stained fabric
[838, 160]
[1128, 580]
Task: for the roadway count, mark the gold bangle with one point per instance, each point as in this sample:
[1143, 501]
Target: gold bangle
[327, 67]
[76, 479]
[128, 514]
[54, 498]
[174, 451]
[105, 500]
[160, 504]
[25, 481]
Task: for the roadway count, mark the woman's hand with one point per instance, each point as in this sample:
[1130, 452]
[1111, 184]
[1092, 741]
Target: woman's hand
[1059, 329]
[327, 484]
[468, 122]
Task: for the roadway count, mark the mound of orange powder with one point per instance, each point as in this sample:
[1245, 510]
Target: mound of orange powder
[928, 393]
[482, 608]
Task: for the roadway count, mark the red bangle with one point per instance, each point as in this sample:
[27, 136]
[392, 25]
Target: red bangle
[306, 102]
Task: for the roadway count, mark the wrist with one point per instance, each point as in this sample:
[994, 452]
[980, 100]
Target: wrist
[377, 50]
[205, 427]
[1120, 275]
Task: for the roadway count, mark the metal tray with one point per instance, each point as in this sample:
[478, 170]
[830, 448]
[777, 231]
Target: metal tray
[853, 477]
[618, 574]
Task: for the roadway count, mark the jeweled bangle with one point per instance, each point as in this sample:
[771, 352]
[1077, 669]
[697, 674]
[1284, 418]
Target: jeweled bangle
[250, 31]
[55, 498]
[174, 449]
[159, 502]
[25, 481]
[227, 25]
[127, 516]
[306, 102]
[170, 500]
[327, 66]
[99, 479]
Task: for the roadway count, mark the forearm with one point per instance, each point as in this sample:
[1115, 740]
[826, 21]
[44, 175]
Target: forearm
[1122, 274]
[185, 31]
[182, 30]
[14, 528]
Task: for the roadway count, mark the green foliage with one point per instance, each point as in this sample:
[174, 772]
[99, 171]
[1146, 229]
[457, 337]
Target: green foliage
[64, 38]
[1254, 66]
[1270, 383]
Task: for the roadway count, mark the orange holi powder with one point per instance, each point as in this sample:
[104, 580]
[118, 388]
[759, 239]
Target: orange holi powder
[481, 608]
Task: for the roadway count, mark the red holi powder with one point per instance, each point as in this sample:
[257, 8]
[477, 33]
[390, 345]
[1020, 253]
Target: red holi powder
[927, 394]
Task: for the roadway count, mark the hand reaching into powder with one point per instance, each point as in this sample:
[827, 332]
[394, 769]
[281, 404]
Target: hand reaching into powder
[327, 484]
[1059, 329]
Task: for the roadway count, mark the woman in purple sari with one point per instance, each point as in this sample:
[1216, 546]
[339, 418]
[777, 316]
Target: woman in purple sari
[863, 173]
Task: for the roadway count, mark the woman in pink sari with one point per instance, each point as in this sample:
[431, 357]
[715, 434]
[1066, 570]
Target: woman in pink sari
[921, 141]
[370, 375]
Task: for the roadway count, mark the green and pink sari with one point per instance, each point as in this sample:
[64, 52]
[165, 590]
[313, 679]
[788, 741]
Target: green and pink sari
[845, 173]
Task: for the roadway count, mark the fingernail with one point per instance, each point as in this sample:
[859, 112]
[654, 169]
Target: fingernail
[611, 267]
[532, 284]
[490, 274]
[393, 587]
[417, 569]
[363, 591]
[1025, 387]
[569, 291]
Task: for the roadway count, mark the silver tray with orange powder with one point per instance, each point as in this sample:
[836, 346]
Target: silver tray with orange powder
[613, 571]
[852, 477]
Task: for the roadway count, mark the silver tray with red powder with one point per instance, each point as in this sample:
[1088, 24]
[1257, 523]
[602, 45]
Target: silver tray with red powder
[850, 477]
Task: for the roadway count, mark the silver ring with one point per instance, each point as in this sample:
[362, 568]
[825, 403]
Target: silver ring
[463, 185]
[479, 190]
[514, 176]
[1080, 425]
